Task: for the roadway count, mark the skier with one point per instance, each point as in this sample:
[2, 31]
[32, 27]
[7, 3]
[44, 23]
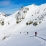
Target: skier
[20, 32]
[35, 33]
[27, 32]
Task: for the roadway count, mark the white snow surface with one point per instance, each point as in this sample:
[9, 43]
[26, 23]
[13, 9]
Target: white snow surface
[10, 34]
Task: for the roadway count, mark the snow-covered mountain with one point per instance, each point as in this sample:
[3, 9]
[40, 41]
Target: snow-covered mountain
[29, 19]
[2, 18]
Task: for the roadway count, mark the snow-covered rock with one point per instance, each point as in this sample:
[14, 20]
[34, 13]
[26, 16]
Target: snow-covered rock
[3, 17]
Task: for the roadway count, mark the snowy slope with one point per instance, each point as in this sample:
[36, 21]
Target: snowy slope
[10, 33]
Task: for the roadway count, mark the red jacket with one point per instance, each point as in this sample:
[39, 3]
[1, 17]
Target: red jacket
[35, 32]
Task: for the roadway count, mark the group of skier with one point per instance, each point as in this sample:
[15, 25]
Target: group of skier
[28, 33]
